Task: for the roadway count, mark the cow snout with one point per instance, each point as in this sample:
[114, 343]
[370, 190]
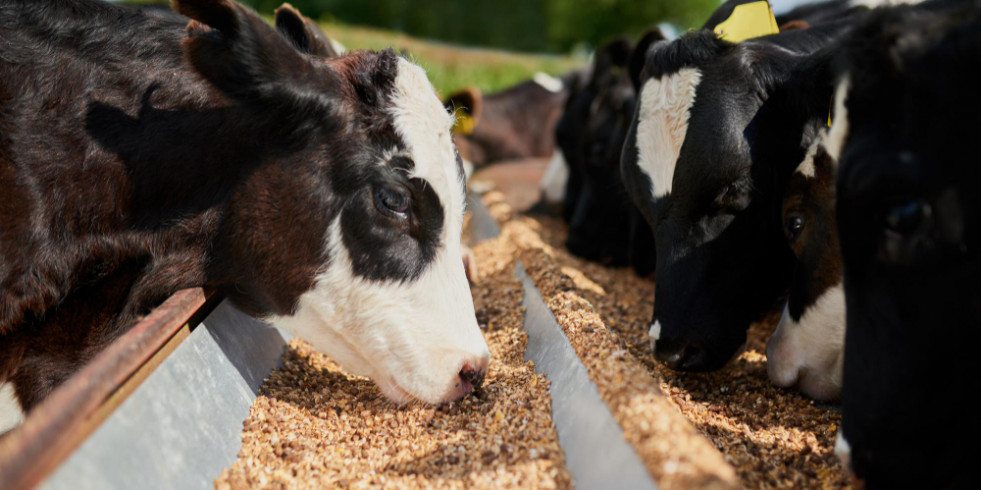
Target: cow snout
[471, 377]
[680, 355]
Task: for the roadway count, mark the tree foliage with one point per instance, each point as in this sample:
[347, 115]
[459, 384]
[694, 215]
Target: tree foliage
[525, 25]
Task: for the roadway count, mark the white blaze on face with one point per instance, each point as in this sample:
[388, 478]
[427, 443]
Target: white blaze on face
[662, 123]
[806, 167]
[839, 125]
[555, 178]
[411, 337]
[11, 414]
[810, 353]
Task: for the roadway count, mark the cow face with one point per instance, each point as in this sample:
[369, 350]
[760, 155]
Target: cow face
[807, 347]
[909, 229]
[703, 161]
[349, 233]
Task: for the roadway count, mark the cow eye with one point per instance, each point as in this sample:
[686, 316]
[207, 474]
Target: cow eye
[392, 201]
[793, 226]
[904, 218]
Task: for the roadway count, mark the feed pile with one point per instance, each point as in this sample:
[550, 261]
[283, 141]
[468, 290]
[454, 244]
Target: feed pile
[771, 437]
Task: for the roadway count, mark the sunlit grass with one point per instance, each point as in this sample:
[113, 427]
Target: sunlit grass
[452, 67]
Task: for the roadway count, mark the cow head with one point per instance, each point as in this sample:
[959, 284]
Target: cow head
[807, 347]
[348, 232]
[910, 231]
[718, 129]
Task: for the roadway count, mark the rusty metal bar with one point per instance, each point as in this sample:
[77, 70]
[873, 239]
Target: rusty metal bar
[58, 424]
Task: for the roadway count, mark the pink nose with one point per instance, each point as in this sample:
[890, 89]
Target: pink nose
[472, 374]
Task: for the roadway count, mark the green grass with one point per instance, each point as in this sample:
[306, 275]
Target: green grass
[453, 67]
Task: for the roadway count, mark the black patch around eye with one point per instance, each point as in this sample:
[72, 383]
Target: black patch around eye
[392, 200]
[382, 248]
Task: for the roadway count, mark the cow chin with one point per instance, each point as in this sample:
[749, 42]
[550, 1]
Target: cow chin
[417, 340]
[693, 353]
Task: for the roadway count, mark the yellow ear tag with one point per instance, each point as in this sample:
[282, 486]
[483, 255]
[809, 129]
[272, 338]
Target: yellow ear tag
[464, 123]
[747, 21]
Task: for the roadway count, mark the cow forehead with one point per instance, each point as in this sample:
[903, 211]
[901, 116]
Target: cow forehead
[662, 125]
[423, 124]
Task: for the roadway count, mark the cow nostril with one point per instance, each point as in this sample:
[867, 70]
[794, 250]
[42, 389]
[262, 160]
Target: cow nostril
[682, 356]
[669, 352]
[472, 376]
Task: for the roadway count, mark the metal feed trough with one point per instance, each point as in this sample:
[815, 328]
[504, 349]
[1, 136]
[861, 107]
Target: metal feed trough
[163, 405]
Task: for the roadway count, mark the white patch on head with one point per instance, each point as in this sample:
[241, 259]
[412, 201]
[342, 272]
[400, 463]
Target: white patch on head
[806, 167]
[411, 337]
[810, 353]
[548, 82]
[11, 415]
[555, 178]
[839, 125]
[662, 123]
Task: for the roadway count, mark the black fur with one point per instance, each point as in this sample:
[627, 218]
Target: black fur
[722, 259]
[139, 156]
[910, 231]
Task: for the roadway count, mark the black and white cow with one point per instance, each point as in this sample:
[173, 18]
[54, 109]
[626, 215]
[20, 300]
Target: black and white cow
[717, 133]
[909, 220]
[139, 157]
[807, 348]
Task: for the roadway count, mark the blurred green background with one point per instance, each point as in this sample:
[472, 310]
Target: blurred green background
[489, 44]
[542, 26]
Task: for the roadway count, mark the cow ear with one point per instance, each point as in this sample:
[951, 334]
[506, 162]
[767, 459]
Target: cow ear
[611, 60]
[465, 105]
[636, 63]
[303, 33]
[238, 52]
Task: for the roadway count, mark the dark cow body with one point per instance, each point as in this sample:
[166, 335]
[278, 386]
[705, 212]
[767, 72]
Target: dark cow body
[517, 122]
[910, 231]
[138, 158]
[604, 225]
